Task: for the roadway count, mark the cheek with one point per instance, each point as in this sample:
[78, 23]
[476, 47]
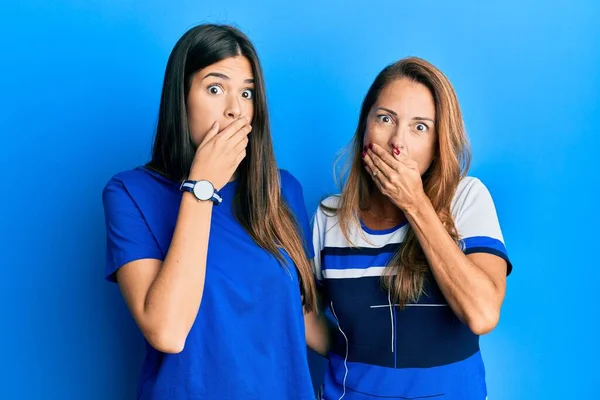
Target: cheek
[248, 110]
[200, 119]
[424, 166]
[423, 154]
[377, 133]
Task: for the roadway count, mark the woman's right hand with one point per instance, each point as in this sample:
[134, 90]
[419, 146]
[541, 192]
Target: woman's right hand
[220, 153]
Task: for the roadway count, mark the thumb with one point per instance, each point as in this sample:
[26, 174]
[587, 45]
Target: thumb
[212, 132]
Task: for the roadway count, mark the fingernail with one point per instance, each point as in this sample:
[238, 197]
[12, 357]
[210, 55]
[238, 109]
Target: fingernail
[371, 146]
[396, 151]
[363, 154]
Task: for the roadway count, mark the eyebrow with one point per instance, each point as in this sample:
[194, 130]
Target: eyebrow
[415, 118]
[225, 77]
[388, 110]
[424, 119]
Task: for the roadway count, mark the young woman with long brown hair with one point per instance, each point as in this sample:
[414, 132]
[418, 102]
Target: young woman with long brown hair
[208, 240]
[410, 257]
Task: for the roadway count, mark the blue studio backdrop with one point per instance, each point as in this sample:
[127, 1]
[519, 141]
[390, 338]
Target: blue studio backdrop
[80, 83]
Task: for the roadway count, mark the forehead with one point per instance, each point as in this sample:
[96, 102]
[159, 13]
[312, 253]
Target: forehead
[238, 67]
[406, 97]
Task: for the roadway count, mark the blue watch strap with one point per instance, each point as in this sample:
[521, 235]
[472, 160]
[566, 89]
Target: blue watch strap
[187, 186]
[216, 198]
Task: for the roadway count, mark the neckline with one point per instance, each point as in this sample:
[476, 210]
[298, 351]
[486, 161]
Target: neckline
[387, 231]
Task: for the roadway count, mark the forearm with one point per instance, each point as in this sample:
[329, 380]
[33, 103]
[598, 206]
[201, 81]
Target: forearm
[318, 339]
[318, 331]
[470, 292]
[174, 298]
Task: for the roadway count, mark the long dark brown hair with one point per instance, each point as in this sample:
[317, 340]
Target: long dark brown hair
[258, 206]
[406, 272]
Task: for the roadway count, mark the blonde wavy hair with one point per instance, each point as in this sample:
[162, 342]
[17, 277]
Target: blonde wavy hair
[405, 274]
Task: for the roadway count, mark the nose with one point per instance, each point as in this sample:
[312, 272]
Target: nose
[233, 108]
[398, 139]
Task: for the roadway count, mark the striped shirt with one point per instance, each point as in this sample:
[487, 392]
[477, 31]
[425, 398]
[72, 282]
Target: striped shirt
[380, 351]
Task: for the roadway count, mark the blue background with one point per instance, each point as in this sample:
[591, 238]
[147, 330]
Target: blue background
[79, 90]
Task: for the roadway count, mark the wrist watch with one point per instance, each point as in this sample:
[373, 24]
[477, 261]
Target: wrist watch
[203, 190]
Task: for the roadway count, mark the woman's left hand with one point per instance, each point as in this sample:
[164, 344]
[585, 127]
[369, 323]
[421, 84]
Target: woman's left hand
[396, 177]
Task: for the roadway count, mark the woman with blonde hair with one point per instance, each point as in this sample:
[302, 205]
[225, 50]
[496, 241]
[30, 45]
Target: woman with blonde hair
[410, 258]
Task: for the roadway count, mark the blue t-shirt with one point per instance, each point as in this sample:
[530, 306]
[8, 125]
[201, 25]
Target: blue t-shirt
[380, 351]
[248, 339]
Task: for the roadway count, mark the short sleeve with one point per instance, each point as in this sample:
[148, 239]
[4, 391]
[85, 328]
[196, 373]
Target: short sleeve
[477, 221]
[294, 195]
[128, 237]
[317, 239]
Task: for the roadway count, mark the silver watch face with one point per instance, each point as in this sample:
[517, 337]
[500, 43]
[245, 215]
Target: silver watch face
[203, 190]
